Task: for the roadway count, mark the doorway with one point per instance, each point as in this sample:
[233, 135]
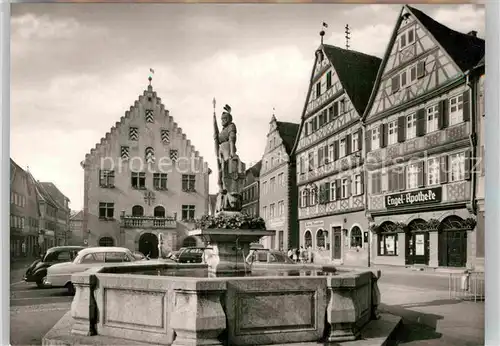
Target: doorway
[337, 243]
[148, 245]
[452, 241]
[417, 248]
[106, 241]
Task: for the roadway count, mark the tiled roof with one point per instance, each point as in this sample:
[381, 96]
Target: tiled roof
[255, 169]
[466, 50]
[77, 216]
[357, 73]
[288, 133]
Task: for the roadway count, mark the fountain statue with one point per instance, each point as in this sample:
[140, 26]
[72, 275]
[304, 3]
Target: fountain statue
[229, 232]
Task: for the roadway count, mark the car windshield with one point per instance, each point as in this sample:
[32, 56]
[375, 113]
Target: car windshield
[64, 255]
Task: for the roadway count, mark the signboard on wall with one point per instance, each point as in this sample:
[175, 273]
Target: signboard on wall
[419, 197]
[316, 223]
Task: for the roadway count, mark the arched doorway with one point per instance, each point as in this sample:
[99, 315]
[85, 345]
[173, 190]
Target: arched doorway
[356, 238]
[159, 211]
[307, 239]
[148, 245]
[320, 240]
[417, 243]
[452, 243]
[137, 210]
[387, 239]
[106, 241]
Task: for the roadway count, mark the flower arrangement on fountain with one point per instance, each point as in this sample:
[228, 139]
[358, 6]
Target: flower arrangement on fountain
[230, 221]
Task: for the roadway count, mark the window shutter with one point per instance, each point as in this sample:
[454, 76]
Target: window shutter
[368, 140]
[320, 157]
[395, 84]
[420, 175]
[360, 138]
[443, 114]
[421, 122]
[336, 150]
[321, 197]
[421, 69]
[325, 154]
[381, 138]
[307, 198]
[327, 192]
[335, 109]
[390, 181]
[349, 187]
[348, 144]
[338, 188]
[362, 180]
[466, 106]
[468, 165]
[401, 178]
[401, 129]
[443, 169]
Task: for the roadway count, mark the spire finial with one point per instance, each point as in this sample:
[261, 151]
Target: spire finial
[322, 32]
[150, 78]
[214, 103]
[347, 36]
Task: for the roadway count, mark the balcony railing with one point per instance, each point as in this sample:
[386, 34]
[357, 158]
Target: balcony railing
[149, 222]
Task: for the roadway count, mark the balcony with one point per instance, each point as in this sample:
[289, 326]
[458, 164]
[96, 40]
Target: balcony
[148, 222]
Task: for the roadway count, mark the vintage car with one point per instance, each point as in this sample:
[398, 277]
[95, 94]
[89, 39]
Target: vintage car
[191, 255]
[259, 256]
[59, 275]
[37, 271]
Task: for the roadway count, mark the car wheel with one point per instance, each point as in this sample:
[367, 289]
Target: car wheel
[70, 288]
[39, 282]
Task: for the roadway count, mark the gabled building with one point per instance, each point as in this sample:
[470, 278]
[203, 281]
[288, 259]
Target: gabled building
[62, 231]
[144, 181]
[76, 227]
[48, 219]
[277, 195]
[328, 150]
[250, 192]
[420, 130]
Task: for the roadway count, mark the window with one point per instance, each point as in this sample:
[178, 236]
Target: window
[412, 72]
[138, 180]
[403, 79]
[281, 208]
[412, 176]
[333, 191]
[272, 184]
[330, 153]
[280, 180]
[411, 126]
[407, 38]
[303, 198]
[264, 187]
[357, 184]
[188, 182]
[318, 89]
[433, 168]
[312, 197]
[432, 118]
[272, 161]
[188, 212]
[272, 210]
[375, 138]
[160, 181]
[106, 210]
[457, 167]
[311, 161]
[342, 148]
[355, 142]
[116, 257]
[356, 238]
[345, 187]
[388, 244]
[329, 79]
[106, 178]
[342, 106]
[264, 212]
[302, 166]
[93, 258]
[456, 110]
[392, 137]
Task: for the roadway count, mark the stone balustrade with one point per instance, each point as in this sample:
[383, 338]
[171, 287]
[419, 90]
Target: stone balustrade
[180, 310]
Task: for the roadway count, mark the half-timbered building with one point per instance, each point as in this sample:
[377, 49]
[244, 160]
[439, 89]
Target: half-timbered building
[419, 143]
[329, 156]
[278, 201]
[250, 192]
[144, 182]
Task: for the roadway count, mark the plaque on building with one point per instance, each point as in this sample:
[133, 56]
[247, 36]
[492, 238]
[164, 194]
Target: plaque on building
[413, 198]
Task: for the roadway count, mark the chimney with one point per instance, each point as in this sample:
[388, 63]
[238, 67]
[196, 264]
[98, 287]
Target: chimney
[472, 33]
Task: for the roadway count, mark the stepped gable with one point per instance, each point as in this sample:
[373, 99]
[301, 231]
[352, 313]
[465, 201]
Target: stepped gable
[147, 93]
[288, 133]
[356, 71]
[466, 50]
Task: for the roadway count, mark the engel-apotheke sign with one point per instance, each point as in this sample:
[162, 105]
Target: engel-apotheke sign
[424, 196]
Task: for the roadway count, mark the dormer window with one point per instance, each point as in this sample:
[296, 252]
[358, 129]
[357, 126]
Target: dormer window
[328, 79]
[318, 89]
[407, 38]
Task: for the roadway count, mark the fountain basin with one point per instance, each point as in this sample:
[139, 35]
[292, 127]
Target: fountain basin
[183, 310]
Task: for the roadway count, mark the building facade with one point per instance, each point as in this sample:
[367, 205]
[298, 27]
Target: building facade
[250, 192]
[77, 237]
[24, 213]
[420, 125]
[331, 193]
[62, 230]
[277, 195]
[144, 182]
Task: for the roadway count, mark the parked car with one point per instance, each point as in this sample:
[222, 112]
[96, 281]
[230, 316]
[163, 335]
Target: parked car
[191, 255]
[59, 275]
[37, 271]
[268, 256]
[174, 255]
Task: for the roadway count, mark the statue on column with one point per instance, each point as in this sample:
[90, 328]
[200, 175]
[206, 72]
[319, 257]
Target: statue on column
[231, 171]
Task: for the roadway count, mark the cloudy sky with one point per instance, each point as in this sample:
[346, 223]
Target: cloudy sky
[76, 68]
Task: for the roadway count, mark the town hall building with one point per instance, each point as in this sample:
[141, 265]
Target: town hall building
[145, 182]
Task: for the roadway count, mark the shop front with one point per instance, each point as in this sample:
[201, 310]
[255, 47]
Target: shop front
[342, 239]
[416, 230]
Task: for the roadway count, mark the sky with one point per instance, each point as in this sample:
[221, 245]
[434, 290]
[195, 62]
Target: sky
[76, 69]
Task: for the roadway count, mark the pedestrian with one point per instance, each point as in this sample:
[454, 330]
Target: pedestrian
[289, 253]
[302, 254]
[297, 255]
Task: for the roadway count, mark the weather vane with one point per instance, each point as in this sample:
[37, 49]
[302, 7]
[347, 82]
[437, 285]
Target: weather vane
[322, 32]
[150, 78]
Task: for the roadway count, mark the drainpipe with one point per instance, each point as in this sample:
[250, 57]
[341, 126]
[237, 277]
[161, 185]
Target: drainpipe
[365, 188]
[472, 137]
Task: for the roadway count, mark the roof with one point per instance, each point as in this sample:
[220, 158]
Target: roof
[288, 133]
[65, 247]
[98, 249]
[77, 216]
[357, 73]
[53, 191]
[466, 50]
[255, 169]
